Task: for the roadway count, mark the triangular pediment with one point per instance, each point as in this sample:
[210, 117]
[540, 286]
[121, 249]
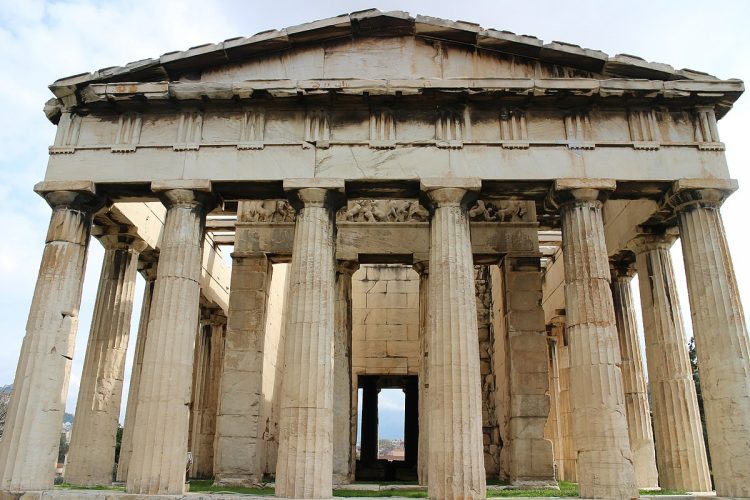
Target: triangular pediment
[380, 45]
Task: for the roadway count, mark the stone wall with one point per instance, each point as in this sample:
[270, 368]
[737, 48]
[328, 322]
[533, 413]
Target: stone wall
[385, 321]
[490, 428]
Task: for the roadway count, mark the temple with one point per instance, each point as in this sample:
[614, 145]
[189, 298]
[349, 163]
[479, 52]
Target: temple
[409, 203]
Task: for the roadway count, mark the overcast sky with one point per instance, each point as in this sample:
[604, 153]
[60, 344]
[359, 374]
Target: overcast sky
[42, 41]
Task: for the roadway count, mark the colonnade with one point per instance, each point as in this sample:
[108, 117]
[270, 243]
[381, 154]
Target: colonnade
[603, 373]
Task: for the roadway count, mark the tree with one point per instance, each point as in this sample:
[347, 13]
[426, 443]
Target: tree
[4, 402]
[692, 351]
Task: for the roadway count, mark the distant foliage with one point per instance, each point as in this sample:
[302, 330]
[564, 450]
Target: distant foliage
[4, 402]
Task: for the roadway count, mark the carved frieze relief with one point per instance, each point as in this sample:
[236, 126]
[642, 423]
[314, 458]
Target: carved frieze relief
[392, 210]
[499, 211]
[266, 211]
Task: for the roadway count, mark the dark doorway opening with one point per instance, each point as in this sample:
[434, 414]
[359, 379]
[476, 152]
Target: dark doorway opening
[369, 466]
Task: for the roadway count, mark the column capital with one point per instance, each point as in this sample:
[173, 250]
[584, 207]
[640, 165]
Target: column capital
[451, 192]
[315, 192]
[422, 267]
[622, 267]
[148, 268]
[574, 190]
[74, 195]
[185, 193]
[347, 266]
[686, 194]
[652, 238]
[119, 238]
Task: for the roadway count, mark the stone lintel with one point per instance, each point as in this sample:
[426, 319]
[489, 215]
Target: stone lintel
[203, 185]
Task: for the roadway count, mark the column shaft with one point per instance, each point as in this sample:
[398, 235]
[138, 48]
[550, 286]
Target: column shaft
[605, 467]
[680, 450]
[92, 446]
[456, 459]
[29, 446]
[160, 435]
[424, 434]
[634, 381]
[369, 440]
[305, 460]
[126, 444]
[240, 449]
[721, 340]
[343, 457]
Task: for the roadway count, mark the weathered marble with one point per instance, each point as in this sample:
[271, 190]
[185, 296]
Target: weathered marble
[720, 334]
[343, 447]
[305, 462]
[680, 450]
[159, 458]
[126, 445]
[91, 455]
[634, 378]
[423, 269]
[604, 460]
[28, 449]
[456, 461]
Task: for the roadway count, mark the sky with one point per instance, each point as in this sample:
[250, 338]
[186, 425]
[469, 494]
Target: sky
[41, 41]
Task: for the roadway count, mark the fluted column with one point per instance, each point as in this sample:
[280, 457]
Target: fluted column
[148, 271]
[343, 448]
[29, 446]
[305, 460]
[720, 330]
[605, 466]
[92, 445]
[680, 450]
[567, 470]
[160, 435]
[423, 269]
[456, 459]
[633, 378]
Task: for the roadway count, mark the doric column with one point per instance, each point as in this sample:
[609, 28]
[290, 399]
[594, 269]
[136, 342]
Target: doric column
[605, 466]
[240, 450]
[633, 377]
[305, 461]
[567, 470]
[680, 451]
[158, 462]
[343, 448]
[209, 347]
[148, 271]
[553, 429]
[720, 332]
[28, 449]
[456, 458]
[92, 445]
[423, 269]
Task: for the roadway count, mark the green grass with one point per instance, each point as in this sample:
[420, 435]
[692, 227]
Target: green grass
[107, 487]
[207, 486]
[566, 490]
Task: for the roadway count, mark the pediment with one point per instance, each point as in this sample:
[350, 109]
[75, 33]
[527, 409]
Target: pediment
[373, 44]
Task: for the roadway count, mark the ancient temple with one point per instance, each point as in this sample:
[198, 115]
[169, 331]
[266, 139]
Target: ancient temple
[409, 203]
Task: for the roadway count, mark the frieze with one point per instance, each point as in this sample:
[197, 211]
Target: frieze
[393, 210]
[266, 211]
[499, 211]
